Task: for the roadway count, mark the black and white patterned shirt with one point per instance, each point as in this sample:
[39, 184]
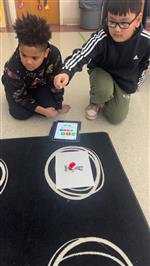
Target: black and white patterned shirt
[20, 82]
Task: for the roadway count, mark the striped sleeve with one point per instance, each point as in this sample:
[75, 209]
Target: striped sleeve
[145, 62]
[146, 34]
[80, 57]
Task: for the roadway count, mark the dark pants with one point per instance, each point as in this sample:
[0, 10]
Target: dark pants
[42, 95]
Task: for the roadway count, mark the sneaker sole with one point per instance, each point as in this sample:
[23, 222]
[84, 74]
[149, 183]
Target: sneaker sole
[90, 117]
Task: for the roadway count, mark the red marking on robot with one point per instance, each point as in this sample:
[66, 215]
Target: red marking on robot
[71, 165]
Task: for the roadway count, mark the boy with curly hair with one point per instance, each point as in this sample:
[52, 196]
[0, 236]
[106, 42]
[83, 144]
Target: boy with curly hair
[29, 73]
[117, 56]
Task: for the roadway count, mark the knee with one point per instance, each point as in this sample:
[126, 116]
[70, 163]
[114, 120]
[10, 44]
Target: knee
[102, 86]
[104, 93]
[115, 119]
[20, 116]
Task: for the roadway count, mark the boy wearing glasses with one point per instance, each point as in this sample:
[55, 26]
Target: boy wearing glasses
[116, 56]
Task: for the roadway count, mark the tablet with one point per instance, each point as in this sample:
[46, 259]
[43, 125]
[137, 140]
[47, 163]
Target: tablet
[65, 131]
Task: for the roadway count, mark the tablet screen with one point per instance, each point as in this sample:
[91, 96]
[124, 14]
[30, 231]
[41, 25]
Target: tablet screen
[66, 130]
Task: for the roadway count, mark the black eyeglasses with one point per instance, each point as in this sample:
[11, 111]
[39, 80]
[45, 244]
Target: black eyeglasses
[122, 25]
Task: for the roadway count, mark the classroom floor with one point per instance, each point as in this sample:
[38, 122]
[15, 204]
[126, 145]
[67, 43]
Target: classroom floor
[130, 138]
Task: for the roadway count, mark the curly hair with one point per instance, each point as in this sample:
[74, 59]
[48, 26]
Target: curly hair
[32, 31]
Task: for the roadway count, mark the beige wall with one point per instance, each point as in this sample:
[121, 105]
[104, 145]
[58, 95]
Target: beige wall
[2, 22]
[12, 13]
[69, 12]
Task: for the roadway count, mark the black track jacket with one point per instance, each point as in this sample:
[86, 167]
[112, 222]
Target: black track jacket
[125, 61]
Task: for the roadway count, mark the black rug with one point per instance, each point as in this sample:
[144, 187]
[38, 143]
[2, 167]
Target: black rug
[40, 227]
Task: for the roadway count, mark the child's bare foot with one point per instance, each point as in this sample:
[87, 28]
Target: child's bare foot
[65, 109]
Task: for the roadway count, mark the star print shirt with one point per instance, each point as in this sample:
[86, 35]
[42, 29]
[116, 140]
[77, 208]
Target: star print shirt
[20, 82]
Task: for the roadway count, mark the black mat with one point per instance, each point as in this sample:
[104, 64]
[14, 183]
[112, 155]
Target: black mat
[35, 221]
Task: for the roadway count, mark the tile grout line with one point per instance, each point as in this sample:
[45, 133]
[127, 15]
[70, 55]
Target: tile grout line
[82, 37]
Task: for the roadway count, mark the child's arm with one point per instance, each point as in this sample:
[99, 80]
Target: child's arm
[143, 66]
[49, 112]
[54, 65]
[56, 60]
[74, 63]
[16, 87]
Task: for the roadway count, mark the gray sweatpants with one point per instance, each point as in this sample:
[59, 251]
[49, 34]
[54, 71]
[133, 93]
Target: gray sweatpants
[105, 91]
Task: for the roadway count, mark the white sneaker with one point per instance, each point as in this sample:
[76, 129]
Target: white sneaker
[91, 111]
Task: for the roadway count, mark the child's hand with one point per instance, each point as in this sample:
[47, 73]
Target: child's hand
[61, 80]
[50, 112]
[65, 109]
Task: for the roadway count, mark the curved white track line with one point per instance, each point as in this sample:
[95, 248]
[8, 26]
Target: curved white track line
[61, 253]
[77, 194]
[4, 176]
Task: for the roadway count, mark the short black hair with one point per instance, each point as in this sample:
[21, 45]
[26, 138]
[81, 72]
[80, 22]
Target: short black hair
[122, 7]
[32, 31]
